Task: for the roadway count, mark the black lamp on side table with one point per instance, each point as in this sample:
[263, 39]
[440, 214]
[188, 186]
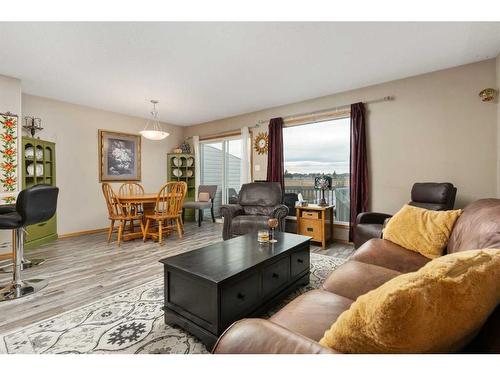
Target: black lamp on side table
[323, 183]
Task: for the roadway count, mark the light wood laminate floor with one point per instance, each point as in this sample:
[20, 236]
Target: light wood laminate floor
[84, 269]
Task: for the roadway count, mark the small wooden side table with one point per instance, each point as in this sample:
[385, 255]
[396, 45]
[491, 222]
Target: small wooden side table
[316, 221]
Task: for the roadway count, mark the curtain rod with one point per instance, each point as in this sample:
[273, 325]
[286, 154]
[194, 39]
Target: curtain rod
[314, 113]
[322, 111]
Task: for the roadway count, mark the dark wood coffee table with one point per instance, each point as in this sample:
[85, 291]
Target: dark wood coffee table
[209, 288]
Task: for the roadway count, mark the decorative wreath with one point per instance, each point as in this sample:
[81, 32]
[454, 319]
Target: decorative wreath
[261, 143]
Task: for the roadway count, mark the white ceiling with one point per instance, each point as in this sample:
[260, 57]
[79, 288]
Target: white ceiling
[206, 71]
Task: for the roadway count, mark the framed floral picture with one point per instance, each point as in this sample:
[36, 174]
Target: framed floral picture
[119, 156]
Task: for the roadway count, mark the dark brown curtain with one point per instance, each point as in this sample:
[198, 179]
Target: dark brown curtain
[359, 167]
[275, 164]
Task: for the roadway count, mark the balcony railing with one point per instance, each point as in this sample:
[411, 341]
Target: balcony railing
[340, 197]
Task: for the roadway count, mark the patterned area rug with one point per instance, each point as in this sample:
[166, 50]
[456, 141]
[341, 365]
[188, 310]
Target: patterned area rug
[129, 322]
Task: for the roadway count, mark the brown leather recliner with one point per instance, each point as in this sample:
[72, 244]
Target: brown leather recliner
[298, 326]
[257, 203]
[430, 195]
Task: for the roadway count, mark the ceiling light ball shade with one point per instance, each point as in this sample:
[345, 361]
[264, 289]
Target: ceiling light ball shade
[153, 129]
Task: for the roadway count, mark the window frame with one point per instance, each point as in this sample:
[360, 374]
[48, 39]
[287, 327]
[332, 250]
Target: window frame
[314, 119]
[218, 139]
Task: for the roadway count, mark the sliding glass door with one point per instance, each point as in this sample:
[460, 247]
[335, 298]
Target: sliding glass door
[220, 162]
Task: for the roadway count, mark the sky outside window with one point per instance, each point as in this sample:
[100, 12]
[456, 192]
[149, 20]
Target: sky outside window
[321, 147]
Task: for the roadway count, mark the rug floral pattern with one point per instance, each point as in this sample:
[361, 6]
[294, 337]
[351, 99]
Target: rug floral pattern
[129, 322]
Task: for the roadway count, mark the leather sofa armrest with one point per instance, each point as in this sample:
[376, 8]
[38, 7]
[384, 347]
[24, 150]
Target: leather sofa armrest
[260, 336]
[280, 212]
[372, 218]
[229, 211]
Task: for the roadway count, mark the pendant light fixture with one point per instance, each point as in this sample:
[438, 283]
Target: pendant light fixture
[153, 129]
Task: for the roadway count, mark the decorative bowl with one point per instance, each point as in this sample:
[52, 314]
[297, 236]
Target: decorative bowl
[177, 172]
[190, 162]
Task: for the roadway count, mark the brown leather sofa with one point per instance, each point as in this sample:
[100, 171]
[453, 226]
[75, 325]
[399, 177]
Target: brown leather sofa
[298, 326]
[438, 196]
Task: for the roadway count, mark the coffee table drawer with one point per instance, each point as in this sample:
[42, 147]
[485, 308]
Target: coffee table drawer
[275, 276]
[238, 298]
[300, 262]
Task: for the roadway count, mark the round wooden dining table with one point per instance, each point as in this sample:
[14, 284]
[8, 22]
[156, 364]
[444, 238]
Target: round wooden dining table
[148, 201]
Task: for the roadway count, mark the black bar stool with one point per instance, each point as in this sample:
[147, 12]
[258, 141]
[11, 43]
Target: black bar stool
[34, 205]
[25, 263]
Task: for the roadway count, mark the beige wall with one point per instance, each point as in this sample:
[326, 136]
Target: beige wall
[74, 129]
[436, 129]
[10, 95]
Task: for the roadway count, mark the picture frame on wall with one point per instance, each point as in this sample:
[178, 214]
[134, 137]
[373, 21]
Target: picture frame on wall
[119, 156]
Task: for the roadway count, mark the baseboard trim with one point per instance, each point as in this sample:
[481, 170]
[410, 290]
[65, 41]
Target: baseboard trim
[80, 233]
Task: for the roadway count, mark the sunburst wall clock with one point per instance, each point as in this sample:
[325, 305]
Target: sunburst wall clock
[261, 143]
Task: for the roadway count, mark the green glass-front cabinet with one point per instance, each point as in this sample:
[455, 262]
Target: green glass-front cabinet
[180, 167]
[39, 167]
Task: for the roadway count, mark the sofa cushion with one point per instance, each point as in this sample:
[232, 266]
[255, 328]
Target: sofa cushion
[244, 224]
[353, 279]
[259, 210]
[312, 313]
[424, 231]
[478, 227]
[387, 254]
[437, 309]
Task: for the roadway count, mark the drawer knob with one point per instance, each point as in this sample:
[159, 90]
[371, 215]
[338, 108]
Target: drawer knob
[300, 261]
[310, 229]
[276, 276]
[240, 296]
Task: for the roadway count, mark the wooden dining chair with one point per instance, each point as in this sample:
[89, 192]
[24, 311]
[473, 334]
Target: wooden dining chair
[167, 210]
[128, 189]
[132, 188]
[118, 212]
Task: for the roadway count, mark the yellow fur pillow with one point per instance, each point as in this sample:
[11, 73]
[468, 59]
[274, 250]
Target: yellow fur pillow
[437, 309]
[424, 231]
